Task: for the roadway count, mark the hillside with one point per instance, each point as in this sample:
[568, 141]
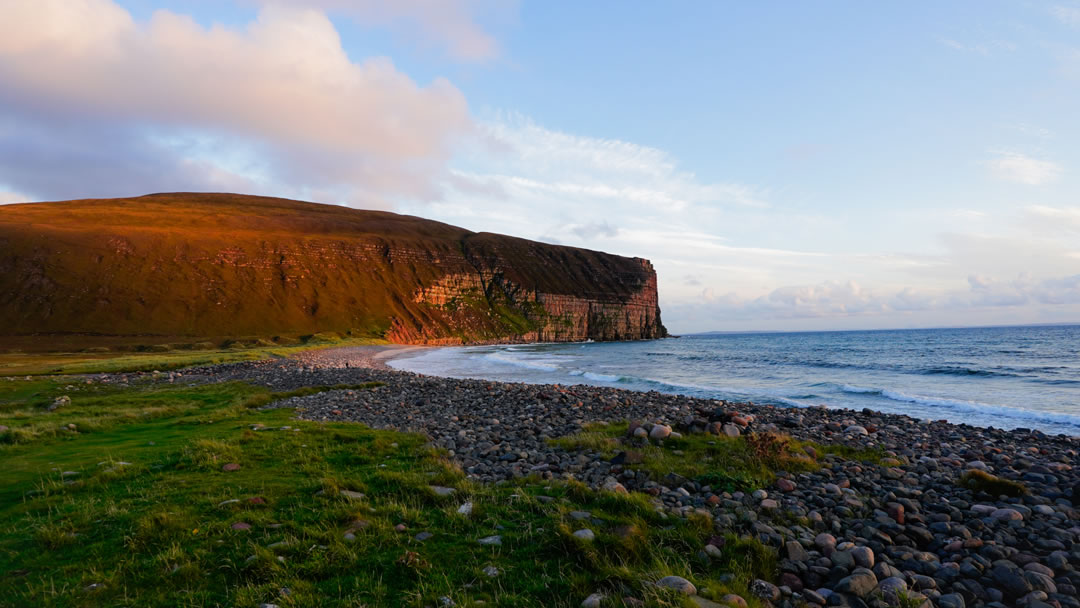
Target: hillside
[212, 266]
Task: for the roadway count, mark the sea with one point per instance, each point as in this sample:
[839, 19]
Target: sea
[1004, 377]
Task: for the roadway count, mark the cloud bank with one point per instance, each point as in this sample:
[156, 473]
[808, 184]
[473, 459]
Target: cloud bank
[280, 97]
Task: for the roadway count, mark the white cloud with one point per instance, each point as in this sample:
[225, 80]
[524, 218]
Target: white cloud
[1016, 167]
[449, 23]
[283, 84]
[1053, 219]
[849, 300]
[981, 48]
[1069, 15]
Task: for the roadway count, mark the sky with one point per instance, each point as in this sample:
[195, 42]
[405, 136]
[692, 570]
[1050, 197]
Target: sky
[785, 165]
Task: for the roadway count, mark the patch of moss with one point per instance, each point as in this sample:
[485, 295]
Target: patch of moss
[981, 481]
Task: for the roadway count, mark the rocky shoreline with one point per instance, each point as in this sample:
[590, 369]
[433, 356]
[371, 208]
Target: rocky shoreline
[902, 532]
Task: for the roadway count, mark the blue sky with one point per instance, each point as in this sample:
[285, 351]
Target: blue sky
[785, 165]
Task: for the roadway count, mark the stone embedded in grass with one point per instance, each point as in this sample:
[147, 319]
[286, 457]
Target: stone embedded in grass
[733, 600]
[494, 540]
[59, 402]
[714, 551]
[612, 485]
[401, 527]
[230, 467]
[465, 509]
[241, 525]
[765, 590]
[593, 601]
[228, 502]
[677, 583]
[351, 495]
[660, 431]
[585, 534]
[423, 536]
[442, 490]
[491, 571]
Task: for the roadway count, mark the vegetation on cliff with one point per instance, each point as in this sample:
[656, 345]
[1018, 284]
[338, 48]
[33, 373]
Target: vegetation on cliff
[191, 267]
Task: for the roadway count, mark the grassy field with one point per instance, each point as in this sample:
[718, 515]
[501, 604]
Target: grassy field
[169, 357]
[121, 498]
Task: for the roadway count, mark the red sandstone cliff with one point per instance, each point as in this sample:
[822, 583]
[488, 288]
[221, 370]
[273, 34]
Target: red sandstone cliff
[216, 265]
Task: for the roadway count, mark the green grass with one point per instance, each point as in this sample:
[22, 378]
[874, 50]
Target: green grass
[147, 514]
[168, 357]
[726, 463]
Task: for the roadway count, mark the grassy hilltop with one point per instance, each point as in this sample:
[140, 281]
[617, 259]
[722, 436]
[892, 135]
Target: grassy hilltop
[200, 269]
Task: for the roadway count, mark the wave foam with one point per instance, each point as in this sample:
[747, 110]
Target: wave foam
[521, 362]
[972, 407]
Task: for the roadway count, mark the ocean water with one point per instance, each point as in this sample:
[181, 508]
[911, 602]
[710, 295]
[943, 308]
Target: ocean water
[1006, 377]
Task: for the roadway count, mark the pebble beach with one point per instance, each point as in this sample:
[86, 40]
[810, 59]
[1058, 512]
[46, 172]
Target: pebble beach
[902, 531]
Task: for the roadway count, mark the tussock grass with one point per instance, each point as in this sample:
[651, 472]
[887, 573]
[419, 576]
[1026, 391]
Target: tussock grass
[725, 463]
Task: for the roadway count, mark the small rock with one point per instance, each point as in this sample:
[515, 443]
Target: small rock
[491, 571]
[241, 525]
[660, 431]
[441, 490]
[495, 540]
[864, 557]
[785, 485]
[1007, 515]
[765, 590]
[859, 583]
[230, 467]
[585, 534]
[677, 583]
[593, 601]
[352, 495]
[465, 509]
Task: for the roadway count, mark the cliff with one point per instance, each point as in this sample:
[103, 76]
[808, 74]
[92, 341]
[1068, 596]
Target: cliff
[220, 265]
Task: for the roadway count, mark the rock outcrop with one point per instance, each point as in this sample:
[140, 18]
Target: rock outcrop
[221, 265]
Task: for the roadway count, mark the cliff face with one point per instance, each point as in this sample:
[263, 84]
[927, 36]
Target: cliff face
[215, 265]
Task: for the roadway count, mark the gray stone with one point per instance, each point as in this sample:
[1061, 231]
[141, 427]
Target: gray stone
[951, 600]
[795, 551]
[864, 557]
[677, 583]
[593, 601]
[585, 534]
[1011, 578]
[765, 590]
[494, 539]
[660, 431]
[859, 583]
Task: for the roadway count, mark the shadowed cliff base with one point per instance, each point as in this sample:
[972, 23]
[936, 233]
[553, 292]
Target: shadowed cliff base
[183, 267]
